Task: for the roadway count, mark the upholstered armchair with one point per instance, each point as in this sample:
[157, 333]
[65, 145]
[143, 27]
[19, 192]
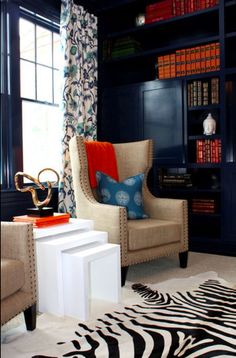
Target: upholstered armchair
[18, 273]
[164, 232]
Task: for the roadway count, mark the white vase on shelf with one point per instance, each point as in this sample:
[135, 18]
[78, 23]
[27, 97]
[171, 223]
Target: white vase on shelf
[209, 125]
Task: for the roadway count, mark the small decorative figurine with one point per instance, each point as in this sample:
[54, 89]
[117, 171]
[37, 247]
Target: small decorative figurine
[140, 19]
[209, 125]
[40, 206]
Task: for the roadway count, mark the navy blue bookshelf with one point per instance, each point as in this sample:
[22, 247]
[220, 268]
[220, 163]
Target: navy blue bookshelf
[135, 104]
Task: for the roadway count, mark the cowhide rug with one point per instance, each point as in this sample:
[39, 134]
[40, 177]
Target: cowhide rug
[180, 318]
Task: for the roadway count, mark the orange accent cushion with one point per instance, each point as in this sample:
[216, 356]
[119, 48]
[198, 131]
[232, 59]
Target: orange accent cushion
[101, 157]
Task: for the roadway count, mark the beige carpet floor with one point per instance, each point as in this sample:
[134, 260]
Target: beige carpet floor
[158, 274]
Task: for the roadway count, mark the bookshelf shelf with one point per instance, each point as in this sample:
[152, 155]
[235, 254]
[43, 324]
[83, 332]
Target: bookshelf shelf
[162, 50]
[203, 108]
[203, 136]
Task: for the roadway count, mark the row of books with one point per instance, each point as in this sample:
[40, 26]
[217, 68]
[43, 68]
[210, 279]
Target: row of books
[203, 206]
[208, 150]
[176, 180]
[166, 9]
[203, 92]
[121, 47]
[198, 59]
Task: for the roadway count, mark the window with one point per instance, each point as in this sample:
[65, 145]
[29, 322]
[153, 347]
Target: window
[40, 93]
[31, 120]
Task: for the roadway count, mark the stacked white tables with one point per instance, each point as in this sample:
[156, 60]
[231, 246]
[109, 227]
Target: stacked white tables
[75, 265]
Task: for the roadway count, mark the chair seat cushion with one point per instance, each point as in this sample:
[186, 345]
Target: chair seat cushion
[149, 233]
[12, 276]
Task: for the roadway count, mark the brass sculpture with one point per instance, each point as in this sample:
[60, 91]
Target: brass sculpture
[38, 204]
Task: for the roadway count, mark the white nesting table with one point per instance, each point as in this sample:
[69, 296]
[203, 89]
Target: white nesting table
[75, 264]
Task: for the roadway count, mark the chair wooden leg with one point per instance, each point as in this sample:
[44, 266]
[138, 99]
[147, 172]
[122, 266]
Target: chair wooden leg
[30, 317]
[124, 271]
[183, 259]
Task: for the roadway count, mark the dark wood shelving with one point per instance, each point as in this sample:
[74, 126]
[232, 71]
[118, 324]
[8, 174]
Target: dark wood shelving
[143, 106]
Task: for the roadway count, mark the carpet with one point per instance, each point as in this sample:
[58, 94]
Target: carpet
[187, 318]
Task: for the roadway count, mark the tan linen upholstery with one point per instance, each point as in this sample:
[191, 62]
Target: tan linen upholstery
[18, 272]
[165, 232]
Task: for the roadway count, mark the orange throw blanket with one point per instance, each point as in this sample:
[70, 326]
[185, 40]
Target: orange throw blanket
[101, 156]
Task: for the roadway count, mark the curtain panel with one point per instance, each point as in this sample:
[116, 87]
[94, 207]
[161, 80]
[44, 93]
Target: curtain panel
[79, 88]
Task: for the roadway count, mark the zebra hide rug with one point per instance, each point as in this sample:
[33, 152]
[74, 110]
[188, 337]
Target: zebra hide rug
[190, 324]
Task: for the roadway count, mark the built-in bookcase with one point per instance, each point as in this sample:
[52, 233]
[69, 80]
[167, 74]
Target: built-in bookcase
[150, 87]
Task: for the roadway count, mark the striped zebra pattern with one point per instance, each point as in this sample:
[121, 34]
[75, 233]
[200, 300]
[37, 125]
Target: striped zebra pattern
[201, 323]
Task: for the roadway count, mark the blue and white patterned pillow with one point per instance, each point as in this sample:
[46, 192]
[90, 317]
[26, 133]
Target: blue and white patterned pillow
[127, 193]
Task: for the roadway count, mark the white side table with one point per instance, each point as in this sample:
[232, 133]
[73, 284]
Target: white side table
[50, 243]
[89, 273]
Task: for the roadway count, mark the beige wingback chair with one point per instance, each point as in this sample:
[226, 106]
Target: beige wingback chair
[165, 232]
[18, 274]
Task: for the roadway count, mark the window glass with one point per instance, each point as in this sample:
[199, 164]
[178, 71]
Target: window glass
[44, 46]
[42, 132]
[27, 75]
[56, 51]
[27, 40]
[44, 84]
[57, 86]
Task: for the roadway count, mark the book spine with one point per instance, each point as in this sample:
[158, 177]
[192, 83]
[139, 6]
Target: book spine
[208, 57]
[160, 64]
[172, 65]
[178, 63]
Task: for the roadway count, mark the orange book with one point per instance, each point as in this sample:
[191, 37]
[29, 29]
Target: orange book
[188, 61]
[193, 60]
[203, 58]
[172, 65]
[217, 44]
[166, 66]
[182, 62]
[213, 56]
[178, 64]
[160, 64]
[208, 57]
[198, 59]
[55, 219]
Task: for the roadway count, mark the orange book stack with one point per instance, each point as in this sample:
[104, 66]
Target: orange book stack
[39, 222]
[189, 61]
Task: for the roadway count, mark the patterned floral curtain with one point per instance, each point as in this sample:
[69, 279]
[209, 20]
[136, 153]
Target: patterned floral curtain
[79, 43]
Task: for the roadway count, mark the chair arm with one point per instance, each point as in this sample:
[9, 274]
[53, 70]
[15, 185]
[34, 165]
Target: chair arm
[17, 243]
[166, 208]
[110, 218]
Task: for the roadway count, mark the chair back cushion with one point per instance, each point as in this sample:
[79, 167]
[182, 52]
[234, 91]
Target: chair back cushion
[133, 158]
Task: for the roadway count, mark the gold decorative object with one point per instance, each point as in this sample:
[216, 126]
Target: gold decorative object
[33, 190]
